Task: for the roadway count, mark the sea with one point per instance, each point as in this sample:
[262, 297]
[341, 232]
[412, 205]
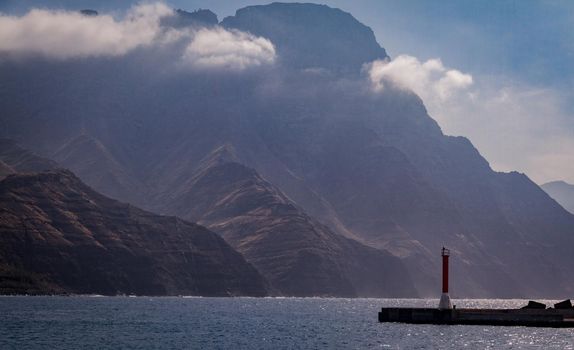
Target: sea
[96, 322]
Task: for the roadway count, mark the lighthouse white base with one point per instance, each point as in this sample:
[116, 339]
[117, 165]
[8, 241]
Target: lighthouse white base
[445, 303]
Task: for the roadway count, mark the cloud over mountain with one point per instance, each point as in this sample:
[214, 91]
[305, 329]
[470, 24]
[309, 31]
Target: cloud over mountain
[57, 34]
[501, 117]
[431, 79]
[232, 49]
[67, 34]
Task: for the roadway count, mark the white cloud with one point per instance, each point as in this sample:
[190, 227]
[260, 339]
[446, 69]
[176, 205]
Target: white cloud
[69, 34]
[66, 34]
[515, 126]
[221, 48]
[430, 80]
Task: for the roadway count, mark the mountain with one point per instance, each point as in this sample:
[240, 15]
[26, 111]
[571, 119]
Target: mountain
[58, 235]
[396, 182]
[87, 157]
[333, 39]
[182, 19]
[14, 158]
[295, 253]
[306, 142]
[562, 192]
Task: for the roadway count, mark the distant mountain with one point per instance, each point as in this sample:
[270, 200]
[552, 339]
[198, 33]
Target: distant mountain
[298, 255]
[306, 153]
[89, 159]
[15, 158]
[562, 192]
[58, 235]
[200, 18]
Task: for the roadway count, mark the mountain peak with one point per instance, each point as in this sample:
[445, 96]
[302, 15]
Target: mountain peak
[310, 35]
[561, 183]
[295, 253]
[562, 192]
[182, 18]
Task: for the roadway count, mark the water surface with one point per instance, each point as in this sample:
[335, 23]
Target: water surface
[248, 323]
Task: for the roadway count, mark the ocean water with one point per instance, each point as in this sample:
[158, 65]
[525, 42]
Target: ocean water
[248, 323]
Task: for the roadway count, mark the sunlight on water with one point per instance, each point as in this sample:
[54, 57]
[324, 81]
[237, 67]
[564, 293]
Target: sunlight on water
[260, 323]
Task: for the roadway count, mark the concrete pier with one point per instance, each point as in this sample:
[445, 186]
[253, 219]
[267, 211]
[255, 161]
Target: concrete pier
[495, 317]
[532, 315]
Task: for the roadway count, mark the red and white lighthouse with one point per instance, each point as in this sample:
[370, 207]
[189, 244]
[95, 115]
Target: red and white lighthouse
[445, 303]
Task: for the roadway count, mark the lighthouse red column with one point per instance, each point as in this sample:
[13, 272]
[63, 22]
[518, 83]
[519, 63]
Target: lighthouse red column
[445, 254]
[445, 303]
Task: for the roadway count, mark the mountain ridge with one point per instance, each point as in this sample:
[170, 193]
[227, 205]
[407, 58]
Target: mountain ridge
[71, 239]
[295, 253]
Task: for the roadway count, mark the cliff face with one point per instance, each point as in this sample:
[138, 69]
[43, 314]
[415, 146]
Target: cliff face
[58, 235]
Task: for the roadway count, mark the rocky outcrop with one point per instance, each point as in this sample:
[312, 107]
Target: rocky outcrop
[58, 235]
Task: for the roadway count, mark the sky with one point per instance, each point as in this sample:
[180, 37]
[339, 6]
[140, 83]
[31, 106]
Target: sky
[512, 59]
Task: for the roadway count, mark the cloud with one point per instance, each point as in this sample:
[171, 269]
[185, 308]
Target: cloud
[67, 34]
[515, 126]
[221, 48]
[430, 80]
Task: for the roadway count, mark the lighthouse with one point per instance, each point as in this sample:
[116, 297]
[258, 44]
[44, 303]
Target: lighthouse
[445, 303]
[532, 315]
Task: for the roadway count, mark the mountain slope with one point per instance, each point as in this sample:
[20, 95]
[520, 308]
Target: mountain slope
[299, 256]
[562, 192]
[60, 235]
